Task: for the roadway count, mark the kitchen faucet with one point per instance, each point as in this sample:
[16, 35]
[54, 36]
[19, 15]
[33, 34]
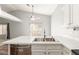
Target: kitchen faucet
[44, 35]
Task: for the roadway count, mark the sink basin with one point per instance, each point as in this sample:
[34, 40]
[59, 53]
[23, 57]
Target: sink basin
[44, 39]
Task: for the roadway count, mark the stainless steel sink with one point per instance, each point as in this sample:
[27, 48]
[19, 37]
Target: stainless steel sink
[44, 39]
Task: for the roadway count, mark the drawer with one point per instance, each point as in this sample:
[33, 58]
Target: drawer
[23, 46]
[38, 47]
[39, 53]
[66, 51]
[59, 52]
[20, 50]
[54, 47]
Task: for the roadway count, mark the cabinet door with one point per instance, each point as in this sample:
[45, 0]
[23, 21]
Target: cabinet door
[54, 47]
[66, 51]
[76, 14]
[39, 53]
[55, 52]
[38, 47]
[66, 12]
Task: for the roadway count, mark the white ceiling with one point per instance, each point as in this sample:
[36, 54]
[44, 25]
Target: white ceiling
[46, 9]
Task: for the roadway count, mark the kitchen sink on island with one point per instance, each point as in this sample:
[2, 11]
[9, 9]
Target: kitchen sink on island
[27, 46]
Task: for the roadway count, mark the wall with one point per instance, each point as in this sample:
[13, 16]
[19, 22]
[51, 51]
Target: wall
[20, 29]
[60, 19]
[5, 21]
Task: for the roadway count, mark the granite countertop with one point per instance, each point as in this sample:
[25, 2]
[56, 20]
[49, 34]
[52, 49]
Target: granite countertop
[70, 42]
[19, 40]
[2, 40]
[26, 40]
[67, 42]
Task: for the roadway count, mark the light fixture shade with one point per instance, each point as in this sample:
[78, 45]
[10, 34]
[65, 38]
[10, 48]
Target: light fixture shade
[32, 17]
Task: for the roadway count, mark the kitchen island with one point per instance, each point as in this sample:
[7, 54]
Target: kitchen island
[3, 48]
[20, 45]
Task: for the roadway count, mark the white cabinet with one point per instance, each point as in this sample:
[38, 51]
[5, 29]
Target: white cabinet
[66, 51]
[38, 46]
[65, 10]
[39, 52]
[53, 46]
[38, 49]
[74, 14]
[54, 49]
[47, 49]
[55, 52]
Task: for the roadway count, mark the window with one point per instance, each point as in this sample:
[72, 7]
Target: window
[36, 29]
[3, 29]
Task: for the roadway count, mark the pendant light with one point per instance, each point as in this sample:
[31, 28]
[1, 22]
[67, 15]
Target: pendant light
[32, 16]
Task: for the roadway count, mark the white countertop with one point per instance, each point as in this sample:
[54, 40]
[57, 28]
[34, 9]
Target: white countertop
[2, 40]
[19, 40]
[26, 40]
[69, 43]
